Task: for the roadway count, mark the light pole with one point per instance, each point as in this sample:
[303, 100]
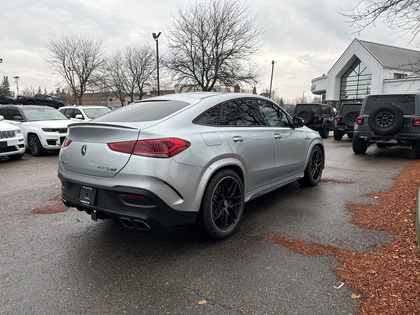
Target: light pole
[303, 95]
[271, 80]
[155, 37]
[17, 85]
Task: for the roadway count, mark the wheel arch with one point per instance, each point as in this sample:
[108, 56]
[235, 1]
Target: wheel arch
[213, 169]
[315, 143]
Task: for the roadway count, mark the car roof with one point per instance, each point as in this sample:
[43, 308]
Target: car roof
[26, 106]
[83, 106]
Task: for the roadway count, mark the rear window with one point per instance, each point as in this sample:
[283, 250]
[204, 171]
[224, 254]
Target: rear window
[347, 108]
[406, 103]
[314, 108]
[143, 111]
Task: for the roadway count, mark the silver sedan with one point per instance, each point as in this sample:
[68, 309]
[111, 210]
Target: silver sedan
[186, 158]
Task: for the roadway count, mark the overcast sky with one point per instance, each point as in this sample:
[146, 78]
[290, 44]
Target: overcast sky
[304, 37]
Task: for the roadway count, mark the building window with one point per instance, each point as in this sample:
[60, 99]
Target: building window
[355, 83]
[400, 76]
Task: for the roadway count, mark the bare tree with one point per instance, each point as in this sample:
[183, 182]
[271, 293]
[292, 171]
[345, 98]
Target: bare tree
[77, 60]
[130, 72]
[211, 44]
[399, 15]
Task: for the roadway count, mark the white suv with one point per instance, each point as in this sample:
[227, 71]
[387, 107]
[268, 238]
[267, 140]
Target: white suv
[84, 113]
[12, 144]
[44, 128]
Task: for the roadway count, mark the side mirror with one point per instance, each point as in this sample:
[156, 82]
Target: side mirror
[79, 116]
[1, 118]
[298, 122]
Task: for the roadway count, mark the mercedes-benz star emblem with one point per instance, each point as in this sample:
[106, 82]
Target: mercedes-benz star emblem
[83, 150]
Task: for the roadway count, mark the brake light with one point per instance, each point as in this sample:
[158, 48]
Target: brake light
[359, 120]
[158, 148]
[319, 118]
[416, 122]
[66, 142]
[338, 118]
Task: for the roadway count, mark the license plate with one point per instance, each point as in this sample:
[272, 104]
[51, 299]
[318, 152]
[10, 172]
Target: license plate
[87, 195]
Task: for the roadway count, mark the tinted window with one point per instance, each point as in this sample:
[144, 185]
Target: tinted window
[314, 108]
[243, 112]
[210, 117]
[9, 113]
[273, 115]
[406, 103]
[347, 108]
[143, 111]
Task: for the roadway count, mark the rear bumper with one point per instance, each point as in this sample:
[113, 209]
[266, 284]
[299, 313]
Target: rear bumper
[133, 206]
[400, 137]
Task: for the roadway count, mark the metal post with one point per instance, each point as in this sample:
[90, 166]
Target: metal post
[271, 80]
[155, 37]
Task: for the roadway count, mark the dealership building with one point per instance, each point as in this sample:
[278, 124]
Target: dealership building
[369, 68]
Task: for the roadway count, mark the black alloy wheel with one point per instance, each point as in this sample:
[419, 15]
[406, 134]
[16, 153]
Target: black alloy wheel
[223, 205]
[314, 168]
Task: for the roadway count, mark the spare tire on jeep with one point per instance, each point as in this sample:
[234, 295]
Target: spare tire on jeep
[386, 119]
[306, 116]
[350, 119]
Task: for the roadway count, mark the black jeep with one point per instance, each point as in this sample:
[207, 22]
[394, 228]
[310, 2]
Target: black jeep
[388, 120]
[319, 117]
[344, 122]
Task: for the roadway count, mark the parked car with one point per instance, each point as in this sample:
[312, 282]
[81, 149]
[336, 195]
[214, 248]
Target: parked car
[185, 158]
[12, 144]
[84, 113]
[4, 99]
[345, 120]
[319, 117]
[41, 99]
[388, 120]
[44, 128]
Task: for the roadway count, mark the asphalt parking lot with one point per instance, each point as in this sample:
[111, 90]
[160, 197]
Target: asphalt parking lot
[58, 261]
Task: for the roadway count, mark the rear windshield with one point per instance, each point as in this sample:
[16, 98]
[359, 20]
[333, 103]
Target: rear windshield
[143, 111]
[406, 103]
[347, 108]
[316, 109]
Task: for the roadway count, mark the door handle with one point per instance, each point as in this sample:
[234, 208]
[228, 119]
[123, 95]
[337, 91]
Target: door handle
[277, 136]
[238, 139]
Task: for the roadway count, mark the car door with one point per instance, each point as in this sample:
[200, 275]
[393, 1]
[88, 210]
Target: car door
[290, 144]
[250, 141]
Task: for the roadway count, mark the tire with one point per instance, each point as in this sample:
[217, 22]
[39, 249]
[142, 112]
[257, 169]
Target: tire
[386, 120]
[350, 135]
[223, 205]
[30, 102]
[338, 134]
[15, 156]
[325, 130]
[35, 146]
[416, 149]
[306, 116]
[314, 168]
[359, 145]
[350, 119]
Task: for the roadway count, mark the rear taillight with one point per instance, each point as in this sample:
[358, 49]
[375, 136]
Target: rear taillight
[338, 118]
[66, 143]
[416, 122]
[159, 148]
[319, 118]
[359, 120]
